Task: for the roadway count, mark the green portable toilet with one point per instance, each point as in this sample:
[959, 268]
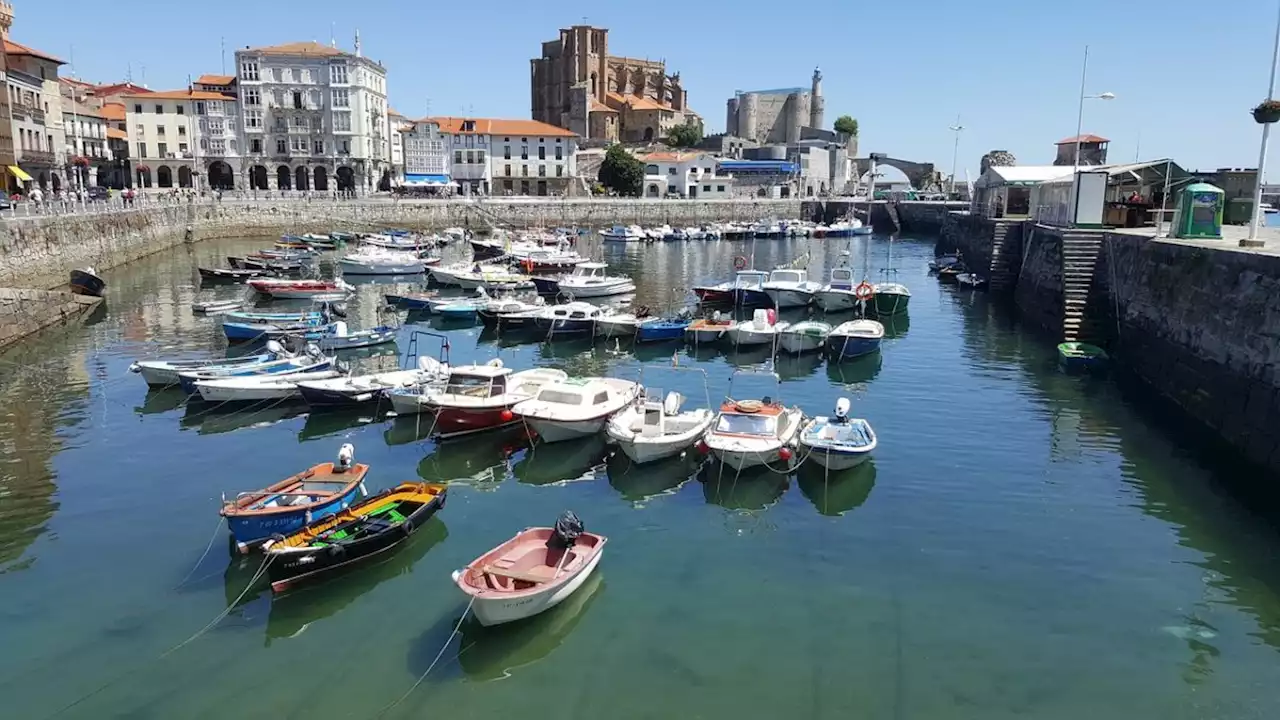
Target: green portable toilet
[1199, 212]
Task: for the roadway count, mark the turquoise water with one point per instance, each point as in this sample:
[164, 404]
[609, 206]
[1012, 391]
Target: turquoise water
[1024, 543]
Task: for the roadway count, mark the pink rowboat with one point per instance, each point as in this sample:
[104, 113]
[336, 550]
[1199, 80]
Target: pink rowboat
[528, 574]
[301, 289]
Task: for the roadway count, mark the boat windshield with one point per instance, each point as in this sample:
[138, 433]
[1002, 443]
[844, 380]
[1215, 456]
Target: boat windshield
[560, 396]
[747, 424]
[472, 385]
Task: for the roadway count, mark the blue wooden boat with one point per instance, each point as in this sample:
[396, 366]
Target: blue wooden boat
[251, 316]
[748, 289]
[838, 442]
[164, 373]
[460, 310]
[546, 285]
[287, 506]
[411, 301]
[662, 329]
[251, 331]
[340, 339]
[855, 338]
[312, 362]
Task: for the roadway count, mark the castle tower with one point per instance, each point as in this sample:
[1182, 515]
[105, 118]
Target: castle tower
[817, 105]
[6, 19]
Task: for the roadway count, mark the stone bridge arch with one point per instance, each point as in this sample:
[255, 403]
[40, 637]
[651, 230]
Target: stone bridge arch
[921, 175]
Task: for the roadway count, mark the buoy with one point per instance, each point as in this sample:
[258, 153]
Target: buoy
[507, 416]
[784, 453]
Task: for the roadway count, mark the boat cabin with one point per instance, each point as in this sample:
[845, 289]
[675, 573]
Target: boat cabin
[750, 279]
[592, 270]
[749, 417]
[477, 381]
[577, 393]
[842, 279]
[661, 416]
[787, 276]
[568, 312]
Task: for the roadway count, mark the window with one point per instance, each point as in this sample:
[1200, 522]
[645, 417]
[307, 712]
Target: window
[471, 157]
[218, 146]
[601, 398]
[304, 76]
[719, 188]
[277, 74]
[252, 97]
[671, 171]
[509, 185]
[506, 152]
[300, 123]
[341, 98]
[142, 150]
[542, 153]
[559, 152]
[317, 124]
[346, 148]
[342, 122]
[215, 107]
[706, 188]
[159, 109]
[338, 74]
[249, 70]
[182, 131]
[253, 118]
[542, 171]
[298, 144]
[200, 109]
[182, 110]
[255, 145]
[137, 108]
[480, 156]
[282, 146]
[457, 157]
[317, 147]
[524, 187]
[524, 171]
[559, 171]
[506, 170]
[281, 124]
[297, 100]
[277, 98]
[524, 152]
[160, 130]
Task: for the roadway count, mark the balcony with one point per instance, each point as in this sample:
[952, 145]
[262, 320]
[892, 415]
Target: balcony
[37, 115]
[19, 112]
[39, 157]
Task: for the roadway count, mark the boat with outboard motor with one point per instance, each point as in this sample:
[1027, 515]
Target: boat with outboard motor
[310, 360]
[751, 433]
[380, 261]
[761, 329]
[589, 280]
[164, 373]
[353, 390]
[838, 442]
[257, 388]
[654, 427]
[855, 338]
[475, 397]
[790, 288]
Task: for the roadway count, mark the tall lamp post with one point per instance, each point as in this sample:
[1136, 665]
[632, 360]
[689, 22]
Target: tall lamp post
[955, 153]
[1253, 241]
[1084, 74]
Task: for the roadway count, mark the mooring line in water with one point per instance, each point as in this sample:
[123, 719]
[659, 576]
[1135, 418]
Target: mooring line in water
[212, 539]
[448, 641]
[254, 581]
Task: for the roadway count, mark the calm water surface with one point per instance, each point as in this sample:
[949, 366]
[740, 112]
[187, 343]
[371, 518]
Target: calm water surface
[1024, 544]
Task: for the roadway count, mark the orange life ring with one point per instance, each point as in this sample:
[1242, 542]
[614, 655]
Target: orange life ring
[739, 263]
[864, 291]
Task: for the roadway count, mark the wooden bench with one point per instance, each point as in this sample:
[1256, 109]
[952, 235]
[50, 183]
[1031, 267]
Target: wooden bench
[537, 579]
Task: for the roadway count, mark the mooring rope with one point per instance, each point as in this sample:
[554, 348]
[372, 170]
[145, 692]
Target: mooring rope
[448, 641]
[212, 539]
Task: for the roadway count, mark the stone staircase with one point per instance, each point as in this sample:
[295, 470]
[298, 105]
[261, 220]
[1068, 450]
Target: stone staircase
[1079, 256]
[1006, 243]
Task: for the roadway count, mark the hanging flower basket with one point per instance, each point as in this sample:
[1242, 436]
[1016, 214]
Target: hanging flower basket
[1267, 112]
[80, 161]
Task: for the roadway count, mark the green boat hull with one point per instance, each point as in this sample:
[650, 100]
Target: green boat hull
[890, 303]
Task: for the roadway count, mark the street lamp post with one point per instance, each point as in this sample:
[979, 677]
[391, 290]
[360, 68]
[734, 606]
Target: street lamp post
[1084, 74]
[955, 153]
[1256, 224]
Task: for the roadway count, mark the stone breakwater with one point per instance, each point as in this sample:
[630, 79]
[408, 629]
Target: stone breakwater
[23, 312]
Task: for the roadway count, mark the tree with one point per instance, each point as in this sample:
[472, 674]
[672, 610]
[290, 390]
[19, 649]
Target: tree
[686, 135]
[846, 125]
[622, 172]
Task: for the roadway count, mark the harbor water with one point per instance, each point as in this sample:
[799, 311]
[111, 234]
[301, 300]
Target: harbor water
[1024, 543]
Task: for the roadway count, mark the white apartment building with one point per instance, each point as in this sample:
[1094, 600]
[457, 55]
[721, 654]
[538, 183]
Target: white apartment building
[687, 174]
[510, 157]
[163, 129]
[313, 117]
[35, 101]
[86, 135]
[398, 127]
[426, 156]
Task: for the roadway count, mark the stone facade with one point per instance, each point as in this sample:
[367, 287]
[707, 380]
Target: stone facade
[776, 117]
[24, 312]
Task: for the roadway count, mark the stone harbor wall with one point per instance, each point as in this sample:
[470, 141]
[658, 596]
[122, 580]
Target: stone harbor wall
[23, 312]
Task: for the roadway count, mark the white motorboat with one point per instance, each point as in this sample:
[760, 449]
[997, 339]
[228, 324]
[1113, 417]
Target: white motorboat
[408, 243]
[164, 373]
[589, 280]
[358, 389]
[801, 337]
[312, 360]
[616, 324]
[379, 261]
[761, 329]
[343, 338]
[855, 338]
[576, 407]
[653, 428]
[750, 433]
[839, 293]
[971, 281]
[790, 288]
[497, 279]
[838, 442]
[661, 232]
[255, 388]
[624, 233]
[766, 229]
[475, 397]
[448, 274]
[532, 572]
[216, 307]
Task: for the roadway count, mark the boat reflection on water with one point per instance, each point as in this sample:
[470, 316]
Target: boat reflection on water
[836, 492]
[856, 370]
[161, 400]
[566, 461]
[637, 483]
[754, 489]
[481, 461]
[790, 366]
[293, 611]
[211, 419]
[331, 422]
[895, 326]
[493, 653]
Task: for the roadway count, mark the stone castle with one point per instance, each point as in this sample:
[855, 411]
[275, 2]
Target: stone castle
[577, 85]
[776, 117]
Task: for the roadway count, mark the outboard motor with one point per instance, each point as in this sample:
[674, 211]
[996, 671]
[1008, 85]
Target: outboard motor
[346, 458]
[275, 348]
[567, 531]
[337, 309]
[842, 411]
[313, 351]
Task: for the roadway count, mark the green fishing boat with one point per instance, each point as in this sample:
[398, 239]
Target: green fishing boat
[1081, 356]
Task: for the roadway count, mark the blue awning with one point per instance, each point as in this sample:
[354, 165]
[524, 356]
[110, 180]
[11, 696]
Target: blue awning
[426, 180]
[759, 166]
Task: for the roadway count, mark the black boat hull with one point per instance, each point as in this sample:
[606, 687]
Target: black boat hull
[338, 398]
[84, 282]
[294, 569]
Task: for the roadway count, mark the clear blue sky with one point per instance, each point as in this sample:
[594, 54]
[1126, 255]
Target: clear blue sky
[1185, 73]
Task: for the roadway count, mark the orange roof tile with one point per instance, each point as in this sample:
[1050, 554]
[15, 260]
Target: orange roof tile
[180, 95]
[300, 48]
[216, 79]
[669, 156]
[1083, 138]
[115, 134]
[597, 106]
[637, 102]
[13, 48]
[497, 126]
[113, 111]
[118, 89]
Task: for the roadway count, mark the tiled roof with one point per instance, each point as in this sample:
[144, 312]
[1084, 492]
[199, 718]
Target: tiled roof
[124, 88]
[180, 95]
[116, 134]
[13, 48]
[113, 111]
[1083, 139]
[637, 102]
[216, 79]
[82, 109]
[597, 106]
[300, 48]
[497, 126]
[670, 156]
